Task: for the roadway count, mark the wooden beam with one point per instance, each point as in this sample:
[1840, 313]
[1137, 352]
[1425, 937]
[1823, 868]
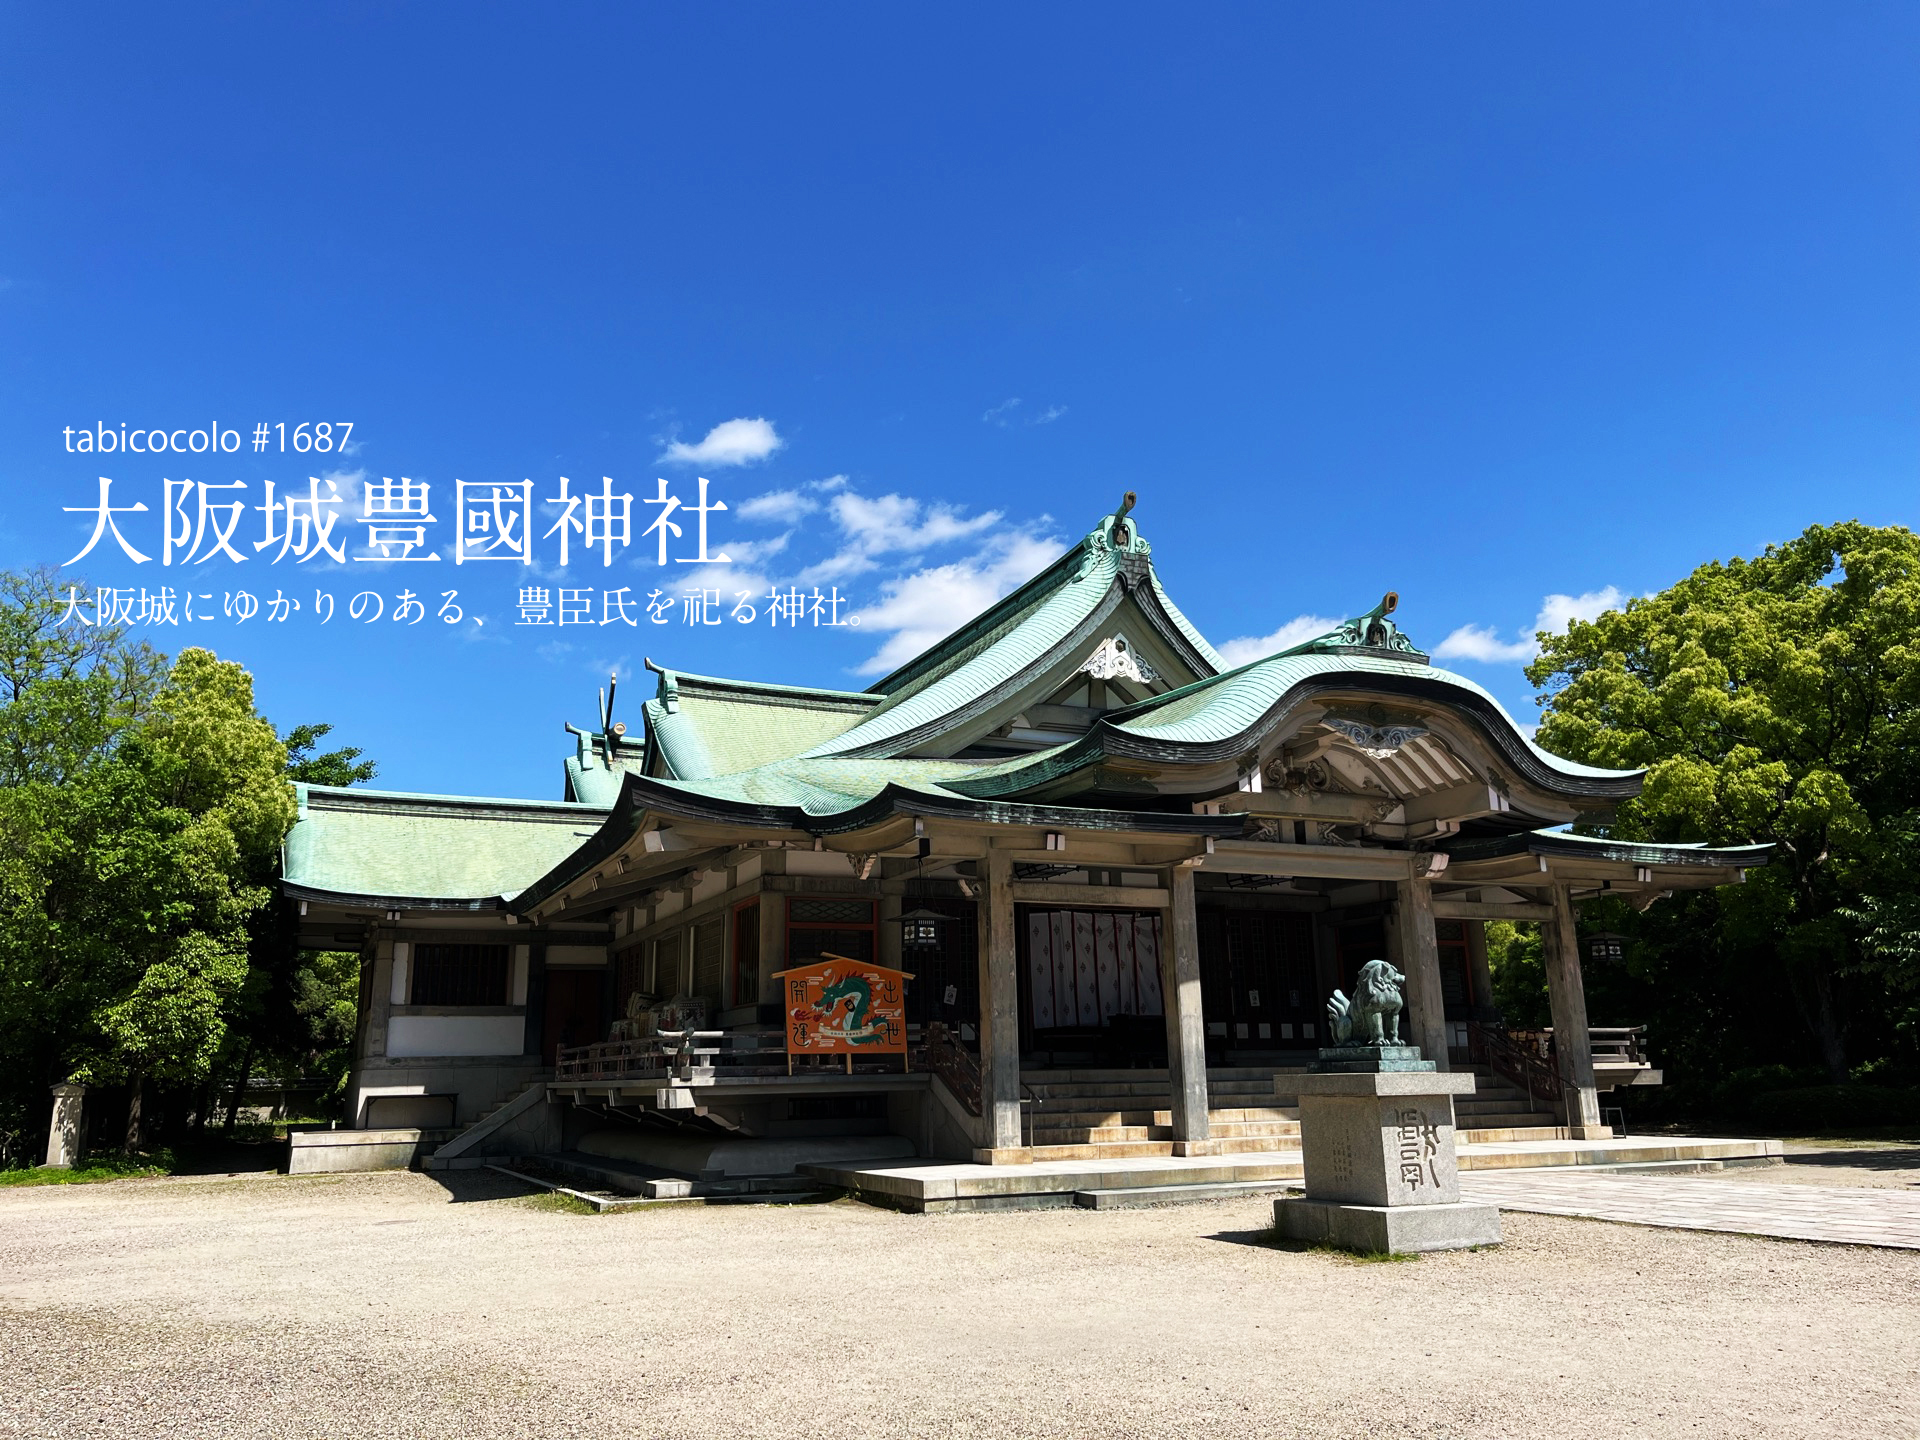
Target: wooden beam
[1044, 892]
[1316, 862]
[1488, 910]
[1458, 802]
[1298, 805]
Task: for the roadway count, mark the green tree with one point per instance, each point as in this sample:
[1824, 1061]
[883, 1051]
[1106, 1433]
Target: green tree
[334, 767]
[132, 859]
[1772, 700]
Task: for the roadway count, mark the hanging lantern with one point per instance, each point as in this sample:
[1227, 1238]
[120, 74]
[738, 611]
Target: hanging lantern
[920, 929]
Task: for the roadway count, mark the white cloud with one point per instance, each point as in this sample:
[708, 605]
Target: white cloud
[1556, 611]
[1002, 414]
[831, 484]
[1254, 647]
[873, 526]
[1483, 643]
[776, 505]
[731, 442]
[926, 606]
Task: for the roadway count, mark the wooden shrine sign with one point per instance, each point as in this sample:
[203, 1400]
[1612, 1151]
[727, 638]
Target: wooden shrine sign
[839, 1006]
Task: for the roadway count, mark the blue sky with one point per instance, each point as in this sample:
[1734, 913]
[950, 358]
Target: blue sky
[1488, 304]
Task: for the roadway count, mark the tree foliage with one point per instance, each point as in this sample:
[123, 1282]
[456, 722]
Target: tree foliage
[142, 808]
[1772, 701]
[333, 767]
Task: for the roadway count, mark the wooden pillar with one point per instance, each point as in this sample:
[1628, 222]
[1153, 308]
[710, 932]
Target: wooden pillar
[1567, 994]
[773, 946]
[1484, 1008]
[1417, 956]
[1186, 1025]
[999, 1017]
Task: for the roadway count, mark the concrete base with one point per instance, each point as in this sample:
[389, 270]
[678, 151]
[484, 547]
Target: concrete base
[331, 1152]
[1005, 1155]
[1387, 1229]
[723, 1157]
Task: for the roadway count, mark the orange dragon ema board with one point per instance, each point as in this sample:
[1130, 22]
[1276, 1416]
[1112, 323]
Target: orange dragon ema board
[840, 1006]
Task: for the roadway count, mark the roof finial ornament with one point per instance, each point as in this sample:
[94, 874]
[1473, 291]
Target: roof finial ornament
[1122, 533]
[1371, 631]
[669, 695]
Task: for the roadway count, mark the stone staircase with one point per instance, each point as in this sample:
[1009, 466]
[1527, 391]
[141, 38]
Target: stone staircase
[1498, 1112]
[464, 1147]
[1124, 1115]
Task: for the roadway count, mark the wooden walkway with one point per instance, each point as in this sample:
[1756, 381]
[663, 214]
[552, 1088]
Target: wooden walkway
[1828, 1214]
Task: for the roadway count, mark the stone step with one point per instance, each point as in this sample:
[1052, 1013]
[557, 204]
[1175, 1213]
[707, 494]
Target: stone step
[1141, 1197]
[1504, 1120]
[1256, 1114]
[1090, 1089]
[1091, 1118]
[1257, 1145]
[1097, 1135]
[1276, 1134]
[1509, 1134]
[1270, 1134]
[1132, 1150]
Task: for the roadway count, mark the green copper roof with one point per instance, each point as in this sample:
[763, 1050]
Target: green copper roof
[383, 844]
[827, 786]
[1018, 641]
[1226, 706]
[701, 726]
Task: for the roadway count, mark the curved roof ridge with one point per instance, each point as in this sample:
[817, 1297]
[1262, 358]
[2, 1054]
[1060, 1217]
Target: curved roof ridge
[1215, 717]
[1005, 640]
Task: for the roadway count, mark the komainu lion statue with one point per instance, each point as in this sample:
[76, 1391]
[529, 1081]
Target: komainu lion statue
[1372, 1016]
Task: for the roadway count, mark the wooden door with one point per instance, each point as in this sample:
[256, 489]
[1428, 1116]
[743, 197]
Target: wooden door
[573, 1016]
[1272, 999]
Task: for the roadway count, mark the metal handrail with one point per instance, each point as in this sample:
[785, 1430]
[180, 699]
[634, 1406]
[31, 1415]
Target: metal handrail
[941, 1054]
[1521, 1057]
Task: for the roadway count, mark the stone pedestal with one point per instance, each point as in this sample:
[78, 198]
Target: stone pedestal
[63, 1134]
[1378, 1150]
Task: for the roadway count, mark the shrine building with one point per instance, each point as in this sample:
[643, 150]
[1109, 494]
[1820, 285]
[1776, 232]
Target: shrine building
[1123, 877]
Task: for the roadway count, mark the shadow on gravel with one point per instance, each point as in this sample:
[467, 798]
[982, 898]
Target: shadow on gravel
[1891, 1159]
[465, 1187]
[214, 1156]
[1266, 1238]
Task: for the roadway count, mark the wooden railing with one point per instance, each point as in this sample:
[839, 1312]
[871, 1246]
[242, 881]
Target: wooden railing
[1531, 1060]
[1618, 1044]
[687, 1056]
[1520, 1057]
[946, 1057]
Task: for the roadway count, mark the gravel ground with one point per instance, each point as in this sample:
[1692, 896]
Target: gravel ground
[1837, 1162]
[395, 1305]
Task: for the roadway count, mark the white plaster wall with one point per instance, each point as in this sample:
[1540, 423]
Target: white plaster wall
[576, 955]
[826, 864]
[410, 1036]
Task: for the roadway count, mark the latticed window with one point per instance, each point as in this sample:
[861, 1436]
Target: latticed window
[460, 974]
[946, 975]
[709, 946]
[817, 927]
[630, 974]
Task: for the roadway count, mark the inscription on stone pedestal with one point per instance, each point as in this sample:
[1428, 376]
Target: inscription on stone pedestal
[1419, 1145]
[1339, 1158]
